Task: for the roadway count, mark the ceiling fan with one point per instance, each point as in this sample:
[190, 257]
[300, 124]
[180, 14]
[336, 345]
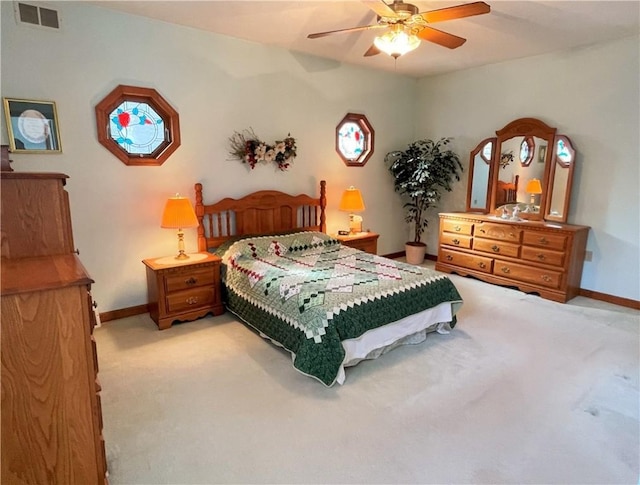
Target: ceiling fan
[406, 26]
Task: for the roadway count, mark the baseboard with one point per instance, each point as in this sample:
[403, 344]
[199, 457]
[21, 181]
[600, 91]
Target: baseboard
[124, 312]
[616, 300]
[595, 295]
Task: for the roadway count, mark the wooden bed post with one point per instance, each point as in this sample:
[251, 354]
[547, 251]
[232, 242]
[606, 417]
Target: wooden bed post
[323, 205]
[202, 242]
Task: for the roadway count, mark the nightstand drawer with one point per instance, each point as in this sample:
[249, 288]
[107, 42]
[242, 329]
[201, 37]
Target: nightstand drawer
[366, 246]
[183, 280]
[190, 299]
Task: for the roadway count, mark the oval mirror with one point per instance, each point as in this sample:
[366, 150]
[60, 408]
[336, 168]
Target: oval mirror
[561, 177]
[480, 170]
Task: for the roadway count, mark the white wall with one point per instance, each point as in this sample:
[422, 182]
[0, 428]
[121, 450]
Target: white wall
[592, 95]
[218, 85]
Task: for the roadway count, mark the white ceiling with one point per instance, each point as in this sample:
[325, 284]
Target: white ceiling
[512, 30]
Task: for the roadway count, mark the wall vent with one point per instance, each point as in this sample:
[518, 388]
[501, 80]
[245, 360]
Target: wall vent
[36, 15]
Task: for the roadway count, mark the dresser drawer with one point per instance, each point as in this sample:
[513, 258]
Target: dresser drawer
[529, 274]
[545, 240]
[496, 247]
[183, 280]
[455, 240]
[457, 227]
[190, 299]
[540, 255]
[503, 232]
[465, 260]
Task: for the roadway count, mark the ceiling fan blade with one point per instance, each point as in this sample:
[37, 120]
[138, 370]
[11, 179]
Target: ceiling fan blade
[341, 31]
[380, 8]
[441, 38]
[372, 51]
[458, 12]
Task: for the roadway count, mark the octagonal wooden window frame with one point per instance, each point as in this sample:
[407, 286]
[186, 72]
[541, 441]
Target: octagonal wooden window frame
[369, 133]
[152, 98]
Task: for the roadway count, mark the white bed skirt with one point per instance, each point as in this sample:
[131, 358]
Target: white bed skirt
[410, 330]
[373, 343]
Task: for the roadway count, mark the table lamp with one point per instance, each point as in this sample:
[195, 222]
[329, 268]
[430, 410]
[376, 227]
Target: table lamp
[352, 202]
[179, 214]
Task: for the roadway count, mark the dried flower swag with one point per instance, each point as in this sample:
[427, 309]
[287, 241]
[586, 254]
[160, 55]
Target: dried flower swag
[247, 147]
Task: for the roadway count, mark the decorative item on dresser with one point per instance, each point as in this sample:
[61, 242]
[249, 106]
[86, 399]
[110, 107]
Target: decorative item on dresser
[51, 412]
[523, 242]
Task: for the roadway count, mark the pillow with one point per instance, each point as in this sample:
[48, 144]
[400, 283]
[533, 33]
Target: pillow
[220, 250]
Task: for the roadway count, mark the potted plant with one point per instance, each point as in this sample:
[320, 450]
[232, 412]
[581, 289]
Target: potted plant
[421, 173]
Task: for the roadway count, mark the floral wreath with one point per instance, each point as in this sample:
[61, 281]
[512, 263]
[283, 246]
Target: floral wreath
[247, 147]
[506, 159]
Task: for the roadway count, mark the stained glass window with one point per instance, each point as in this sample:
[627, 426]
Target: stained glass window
[354, 140]
[351, 140]
[137, 125]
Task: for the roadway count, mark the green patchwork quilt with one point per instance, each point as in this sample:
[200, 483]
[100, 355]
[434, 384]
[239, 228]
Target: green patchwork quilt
[307, 292]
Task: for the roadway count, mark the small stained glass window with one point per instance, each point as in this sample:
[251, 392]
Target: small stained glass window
[354, 140]
[138, 125]
[351, 140]
[526, 151]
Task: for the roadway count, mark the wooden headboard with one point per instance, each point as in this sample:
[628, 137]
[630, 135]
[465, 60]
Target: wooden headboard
[263, 212]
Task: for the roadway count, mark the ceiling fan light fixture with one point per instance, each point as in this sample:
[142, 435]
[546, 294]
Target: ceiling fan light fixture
[397, 41]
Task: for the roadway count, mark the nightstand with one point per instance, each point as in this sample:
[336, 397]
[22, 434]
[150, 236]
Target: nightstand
[183, 290]
[364, 241]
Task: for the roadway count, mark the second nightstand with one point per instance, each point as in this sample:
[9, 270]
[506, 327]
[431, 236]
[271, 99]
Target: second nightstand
[364, 241]
[183, 290]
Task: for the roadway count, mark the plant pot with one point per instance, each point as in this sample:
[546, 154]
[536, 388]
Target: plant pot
[415, 252]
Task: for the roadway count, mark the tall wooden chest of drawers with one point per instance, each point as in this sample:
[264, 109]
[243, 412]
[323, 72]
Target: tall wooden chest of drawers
[534, 256]
[51, 412]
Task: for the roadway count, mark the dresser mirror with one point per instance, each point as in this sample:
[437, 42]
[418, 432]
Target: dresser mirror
[524, 173]
[480, 169]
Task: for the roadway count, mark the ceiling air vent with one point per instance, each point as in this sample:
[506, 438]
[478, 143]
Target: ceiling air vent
[35, 15]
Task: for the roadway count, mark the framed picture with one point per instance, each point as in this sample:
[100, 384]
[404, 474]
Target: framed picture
[542, 155]
[32, 126]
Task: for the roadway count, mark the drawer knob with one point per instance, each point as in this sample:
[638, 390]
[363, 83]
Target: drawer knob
[543, 240]
[456, 242]
[482, 231]
[191, 281]
[496, 249]
[449, 257]
[192, 300]
[505, 269]
[457, 228]
[546, 278]
[482, 265]
[541, 257]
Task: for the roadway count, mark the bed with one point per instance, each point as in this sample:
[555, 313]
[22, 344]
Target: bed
[329, 305]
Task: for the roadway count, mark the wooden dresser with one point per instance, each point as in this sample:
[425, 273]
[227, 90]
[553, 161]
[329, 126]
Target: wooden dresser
[51, 412]
[534, 256]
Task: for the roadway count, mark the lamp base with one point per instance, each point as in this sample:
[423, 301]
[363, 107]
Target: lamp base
[182, 255]
[355, 224]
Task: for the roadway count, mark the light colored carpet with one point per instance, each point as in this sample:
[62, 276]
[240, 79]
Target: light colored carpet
[524, 390]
